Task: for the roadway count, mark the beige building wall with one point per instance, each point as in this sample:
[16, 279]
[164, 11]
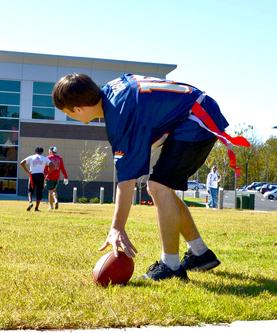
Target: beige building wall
[69, 137]
[70, 150]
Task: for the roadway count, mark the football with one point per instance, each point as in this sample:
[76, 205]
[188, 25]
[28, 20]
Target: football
[113, 270]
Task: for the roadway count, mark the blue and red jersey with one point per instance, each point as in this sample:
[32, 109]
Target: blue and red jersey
[138, 110]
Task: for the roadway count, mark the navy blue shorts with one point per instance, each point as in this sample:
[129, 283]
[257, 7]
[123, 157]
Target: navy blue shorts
[179, 160]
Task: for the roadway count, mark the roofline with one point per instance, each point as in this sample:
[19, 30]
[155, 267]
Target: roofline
[73, 61]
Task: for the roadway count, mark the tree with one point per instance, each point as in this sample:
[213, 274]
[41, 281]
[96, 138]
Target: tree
[268, 157]
[219, 157]
[245, 154]
[258, 162]
[92, 163]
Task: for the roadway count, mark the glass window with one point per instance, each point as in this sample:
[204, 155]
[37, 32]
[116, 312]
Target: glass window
[43, 88]
[9, 85]
[9, 127]
[9, 98]
[8, 138]
[8, 186]
[8, 153]
[9, 124]
[43, 113]
[9, 111]
[8, 169]
[43, 107]
[42, 100]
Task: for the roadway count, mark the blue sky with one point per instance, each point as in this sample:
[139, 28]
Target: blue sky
[226, 47]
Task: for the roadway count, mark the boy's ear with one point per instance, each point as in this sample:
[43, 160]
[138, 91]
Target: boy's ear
[68, 111]
[76, 109]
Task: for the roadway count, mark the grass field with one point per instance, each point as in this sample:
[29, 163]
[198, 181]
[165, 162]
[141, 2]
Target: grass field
[46, 260]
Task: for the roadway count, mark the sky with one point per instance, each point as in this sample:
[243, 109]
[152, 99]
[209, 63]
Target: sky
[227, 48]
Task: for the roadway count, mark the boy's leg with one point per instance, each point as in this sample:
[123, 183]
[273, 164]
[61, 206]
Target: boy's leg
[30, 196]
[168, 216]
[55, 198]
[168, 222]
[39, 189]
[216, 198]
[213, 197]
[30, 206]
[179, 160]
[50, 199]
[173, 217]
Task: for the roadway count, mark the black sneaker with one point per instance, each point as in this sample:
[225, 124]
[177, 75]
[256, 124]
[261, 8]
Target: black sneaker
[206, 261]
[56, 205]
[30, 206]
[159, 271]
[37, 210]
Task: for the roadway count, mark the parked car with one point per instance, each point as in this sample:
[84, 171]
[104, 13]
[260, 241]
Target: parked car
[202, 186]
[272, 195]
[194, 185]
[241, 189]
[254, 186]
[267, 188]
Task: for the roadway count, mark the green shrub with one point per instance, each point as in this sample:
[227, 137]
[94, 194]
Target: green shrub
[94, 200]
[83, 200]
[194, 203]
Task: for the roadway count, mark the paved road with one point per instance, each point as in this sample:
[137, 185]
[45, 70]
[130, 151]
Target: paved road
[260, 202]
[229, 200]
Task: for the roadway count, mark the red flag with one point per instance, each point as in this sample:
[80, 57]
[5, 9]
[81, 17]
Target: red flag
[31, 181]
[225, 138]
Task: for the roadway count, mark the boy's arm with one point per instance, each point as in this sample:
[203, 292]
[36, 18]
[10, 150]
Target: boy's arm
[51, 166]
[63, 170]
[23, 164]
[46, 170]
[117, 236]
[208, 182]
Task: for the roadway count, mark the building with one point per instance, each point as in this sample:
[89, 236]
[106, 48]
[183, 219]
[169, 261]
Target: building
[28, 118]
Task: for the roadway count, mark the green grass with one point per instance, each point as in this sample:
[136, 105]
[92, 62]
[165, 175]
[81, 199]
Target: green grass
[46, 261]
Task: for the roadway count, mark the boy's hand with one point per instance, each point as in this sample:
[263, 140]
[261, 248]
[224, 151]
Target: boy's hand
[119, 239]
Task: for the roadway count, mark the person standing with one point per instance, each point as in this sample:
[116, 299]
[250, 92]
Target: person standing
[138, 111]
[213, 179]
[52, 177]
[34, 166]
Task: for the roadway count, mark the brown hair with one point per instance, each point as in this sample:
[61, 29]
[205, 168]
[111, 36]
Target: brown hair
[75, 90]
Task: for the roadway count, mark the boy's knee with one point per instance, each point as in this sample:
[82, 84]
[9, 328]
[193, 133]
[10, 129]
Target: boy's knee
[154, 188]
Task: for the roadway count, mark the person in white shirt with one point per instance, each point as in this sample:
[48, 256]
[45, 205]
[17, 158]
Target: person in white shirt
[34, 166]
[213, 179]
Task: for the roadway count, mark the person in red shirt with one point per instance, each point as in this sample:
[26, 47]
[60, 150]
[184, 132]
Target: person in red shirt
[52, 177]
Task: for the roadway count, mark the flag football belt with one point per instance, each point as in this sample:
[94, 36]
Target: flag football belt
[201, 116]
[31, 181]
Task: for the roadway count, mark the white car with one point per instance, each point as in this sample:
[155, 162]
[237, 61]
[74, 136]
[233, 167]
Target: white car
[194, 185]
[271, 195]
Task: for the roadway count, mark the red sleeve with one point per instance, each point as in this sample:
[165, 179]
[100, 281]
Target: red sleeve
[46, 170]
[63, 169]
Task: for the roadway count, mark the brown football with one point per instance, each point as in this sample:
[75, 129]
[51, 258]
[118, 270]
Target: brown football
[113, 270]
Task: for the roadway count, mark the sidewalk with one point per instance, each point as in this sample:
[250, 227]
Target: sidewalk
[13, 197]
[268, 326]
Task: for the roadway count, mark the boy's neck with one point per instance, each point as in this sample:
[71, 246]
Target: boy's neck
[97, 110]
